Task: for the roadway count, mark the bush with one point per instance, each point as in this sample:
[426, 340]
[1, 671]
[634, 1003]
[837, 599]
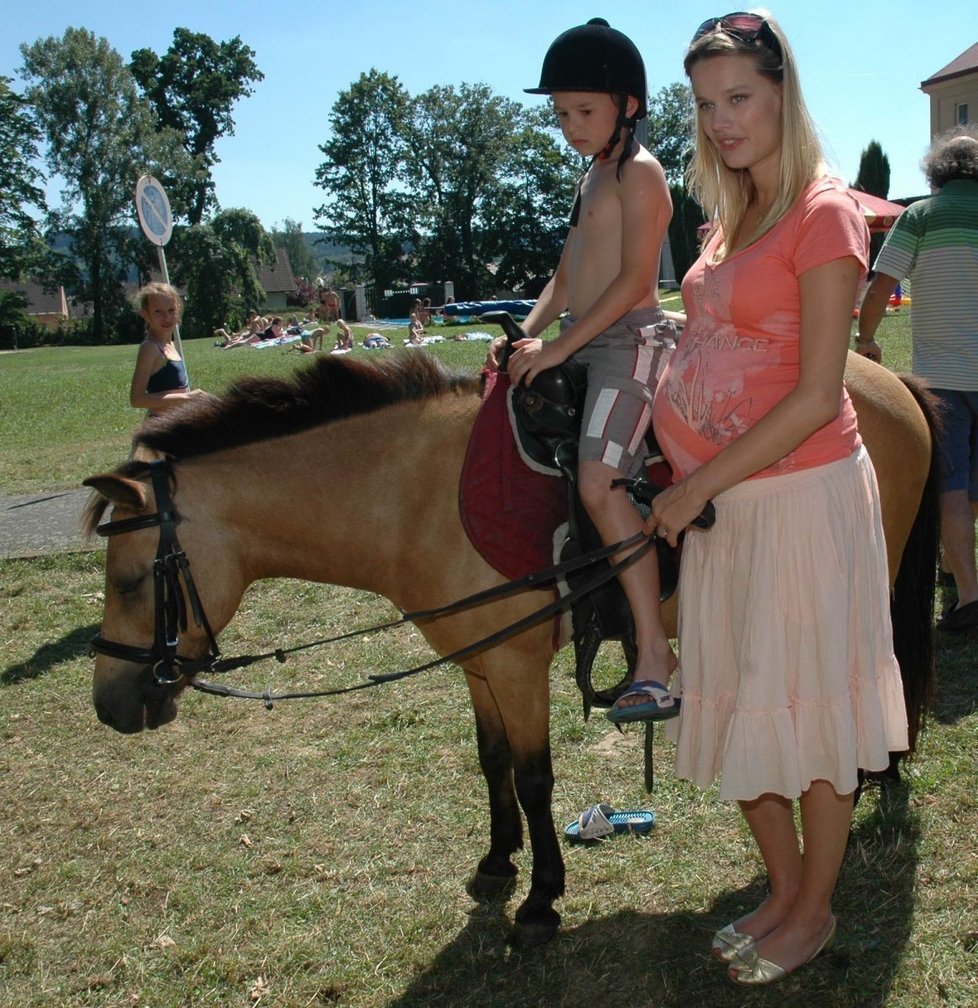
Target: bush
[24, 333]
[302, 295]
[73, 332]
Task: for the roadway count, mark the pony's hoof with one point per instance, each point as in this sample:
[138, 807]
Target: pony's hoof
[525, 936]
[485, 888]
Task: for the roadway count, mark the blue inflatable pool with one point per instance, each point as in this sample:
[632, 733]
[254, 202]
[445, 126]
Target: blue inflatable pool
[520, 309]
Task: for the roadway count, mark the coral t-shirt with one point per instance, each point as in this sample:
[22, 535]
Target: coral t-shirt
[739, 353]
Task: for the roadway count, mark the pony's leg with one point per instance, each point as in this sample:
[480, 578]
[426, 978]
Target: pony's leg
[514, 747]
[495, 875]
[536, 919]
[522, 693]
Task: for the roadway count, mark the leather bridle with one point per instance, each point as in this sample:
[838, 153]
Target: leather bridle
[170, 569]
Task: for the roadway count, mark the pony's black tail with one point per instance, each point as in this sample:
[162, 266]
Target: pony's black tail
[912, 604]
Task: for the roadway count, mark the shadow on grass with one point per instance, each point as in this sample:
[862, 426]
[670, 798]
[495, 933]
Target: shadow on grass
[73, 645]
[957, 677]
[646, 959]
[875, 897]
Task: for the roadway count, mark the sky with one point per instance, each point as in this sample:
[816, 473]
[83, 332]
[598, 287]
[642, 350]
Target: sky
[861, 65]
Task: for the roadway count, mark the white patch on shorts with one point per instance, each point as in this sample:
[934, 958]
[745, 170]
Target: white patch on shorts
[603, 405]
[612, 455]
[640, 428]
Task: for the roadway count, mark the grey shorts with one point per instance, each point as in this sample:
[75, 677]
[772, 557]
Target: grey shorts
[623, 363]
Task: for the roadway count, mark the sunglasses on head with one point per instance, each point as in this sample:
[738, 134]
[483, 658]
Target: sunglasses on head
[744, 26]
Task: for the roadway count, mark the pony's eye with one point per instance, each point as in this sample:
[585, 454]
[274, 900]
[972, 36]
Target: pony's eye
[128, 584]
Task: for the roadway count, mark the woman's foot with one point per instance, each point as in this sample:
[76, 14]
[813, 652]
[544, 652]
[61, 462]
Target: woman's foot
[789, 953]
[751, 927]
[733, 947]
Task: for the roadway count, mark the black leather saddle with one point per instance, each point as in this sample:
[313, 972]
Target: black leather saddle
[547, 423]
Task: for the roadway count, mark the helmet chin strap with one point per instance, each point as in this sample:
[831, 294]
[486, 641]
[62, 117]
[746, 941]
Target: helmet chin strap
[622, 122]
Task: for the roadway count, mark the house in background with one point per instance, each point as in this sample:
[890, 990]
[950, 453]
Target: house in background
[47, 307]
[953, 93]
[278, 282]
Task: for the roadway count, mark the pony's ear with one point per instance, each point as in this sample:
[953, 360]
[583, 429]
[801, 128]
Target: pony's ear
[119, 490]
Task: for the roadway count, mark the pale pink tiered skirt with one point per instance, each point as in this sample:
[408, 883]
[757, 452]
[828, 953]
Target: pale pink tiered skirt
[787, 672]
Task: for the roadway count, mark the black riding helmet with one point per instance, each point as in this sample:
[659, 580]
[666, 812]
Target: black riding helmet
[594, 57]
[597, 57]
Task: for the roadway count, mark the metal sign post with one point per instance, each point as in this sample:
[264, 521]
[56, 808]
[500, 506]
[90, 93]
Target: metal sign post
[156, 220]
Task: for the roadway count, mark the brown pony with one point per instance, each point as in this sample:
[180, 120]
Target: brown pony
[259, 476]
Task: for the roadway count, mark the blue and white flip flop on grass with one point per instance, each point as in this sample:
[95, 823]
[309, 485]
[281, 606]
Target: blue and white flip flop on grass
[660, 706]
[601, 820]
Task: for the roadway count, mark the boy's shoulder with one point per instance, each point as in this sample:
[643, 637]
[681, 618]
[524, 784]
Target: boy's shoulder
[644, 157]
[640, 170]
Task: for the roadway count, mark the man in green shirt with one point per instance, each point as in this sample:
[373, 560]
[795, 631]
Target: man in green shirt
[934, 243]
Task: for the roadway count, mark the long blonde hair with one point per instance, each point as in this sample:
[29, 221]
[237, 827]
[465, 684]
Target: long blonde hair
[725, 193]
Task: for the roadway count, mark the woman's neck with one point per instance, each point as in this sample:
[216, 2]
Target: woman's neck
[763, 199]
[766, 184]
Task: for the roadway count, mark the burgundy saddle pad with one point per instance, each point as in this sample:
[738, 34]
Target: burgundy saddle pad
[509, 511]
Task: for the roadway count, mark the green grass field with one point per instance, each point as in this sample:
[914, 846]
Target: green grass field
[316, 855]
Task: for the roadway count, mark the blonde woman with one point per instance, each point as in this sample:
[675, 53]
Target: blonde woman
[787, 674]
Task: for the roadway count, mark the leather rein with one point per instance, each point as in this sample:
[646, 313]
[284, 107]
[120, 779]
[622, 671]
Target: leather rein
[174, 589]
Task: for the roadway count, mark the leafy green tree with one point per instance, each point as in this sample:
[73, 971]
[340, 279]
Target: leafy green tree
[687, 216]
[192, 89]
[469, 152]
[100, 138]
[20, 190]
[671, 130]
[292, 239]
[367, 206]
[526, 220]
[874, 171]
[671, 139]
[216, 263]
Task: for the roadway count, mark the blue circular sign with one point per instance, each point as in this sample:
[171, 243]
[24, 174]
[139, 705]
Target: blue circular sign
[153, 210]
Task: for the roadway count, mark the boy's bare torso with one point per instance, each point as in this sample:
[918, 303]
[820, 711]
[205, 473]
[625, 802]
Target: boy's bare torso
[594, 252]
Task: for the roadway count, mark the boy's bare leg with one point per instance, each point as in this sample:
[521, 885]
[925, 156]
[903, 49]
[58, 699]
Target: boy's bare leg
[615, 518]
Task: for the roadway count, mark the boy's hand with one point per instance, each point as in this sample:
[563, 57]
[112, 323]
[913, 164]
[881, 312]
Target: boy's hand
[531, 356]
[494, 353]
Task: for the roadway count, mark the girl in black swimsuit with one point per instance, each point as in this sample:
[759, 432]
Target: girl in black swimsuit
[160, 381]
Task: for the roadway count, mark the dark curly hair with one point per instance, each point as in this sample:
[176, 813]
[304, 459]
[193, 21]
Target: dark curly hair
[952, 155]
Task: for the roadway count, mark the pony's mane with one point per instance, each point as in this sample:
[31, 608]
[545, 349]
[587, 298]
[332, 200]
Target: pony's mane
[258, 408]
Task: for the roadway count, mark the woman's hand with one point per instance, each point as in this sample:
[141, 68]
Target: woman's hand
[673, 510]
[870, 349]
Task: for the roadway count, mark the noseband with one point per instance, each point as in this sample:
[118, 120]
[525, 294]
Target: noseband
[169, 602]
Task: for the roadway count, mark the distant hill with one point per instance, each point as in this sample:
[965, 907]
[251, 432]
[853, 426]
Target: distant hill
[321, 249]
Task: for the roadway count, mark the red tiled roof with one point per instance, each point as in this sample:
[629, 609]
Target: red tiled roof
[966, 63]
